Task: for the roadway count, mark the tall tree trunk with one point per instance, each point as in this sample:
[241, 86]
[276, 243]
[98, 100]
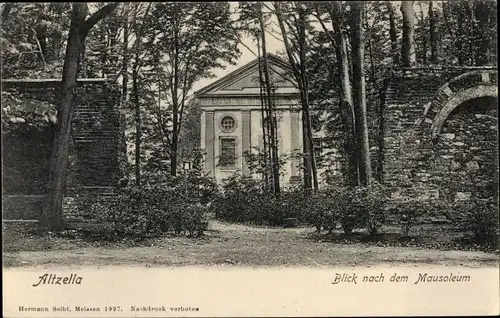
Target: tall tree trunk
[264, 112]
[175, 99]
[56, 185]
[393, 33]
[41, 37]
[423, 33]
[173, 154]
[459, 42]
[52, 211]
[347, 109]
[305, 90]
[104, 57]
[274, 146]
[359, 96]
[135, 91]
[408, 47]
[482, 13]
[138, 131]
[471, 31]
[125, 60]
[299, 78]
[433, 34]
[373, 75]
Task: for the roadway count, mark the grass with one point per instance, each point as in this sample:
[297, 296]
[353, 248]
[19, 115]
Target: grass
[226, 244]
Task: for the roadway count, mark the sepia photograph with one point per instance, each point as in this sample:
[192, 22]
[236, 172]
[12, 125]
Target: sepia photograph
[288, 158]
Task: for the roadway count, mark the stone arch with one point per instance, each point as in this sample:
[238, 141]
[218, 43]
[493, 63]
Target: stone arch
[458, 134]
[470, 85]
[457, 100]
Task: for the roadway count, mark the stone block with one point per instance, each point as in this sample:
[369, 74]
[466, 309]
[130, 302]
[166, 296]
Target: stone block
[448, 136]
[462, 196]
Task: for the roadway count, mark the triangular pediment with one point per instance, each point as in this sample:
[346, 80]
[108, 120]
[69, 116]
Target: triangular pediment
[246, 79]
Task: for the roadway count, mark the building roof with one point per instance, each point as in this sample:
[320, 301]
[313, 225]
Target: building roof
[242, 71]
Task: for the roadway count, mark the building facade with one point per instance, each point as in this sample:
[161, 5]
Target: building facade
[232, 120]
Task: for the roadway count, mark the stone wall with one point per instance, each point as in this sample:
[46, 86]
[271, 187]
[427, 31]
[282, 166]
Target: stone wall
[96, 138]
[439, 129]
[25, 159]
[22, 207]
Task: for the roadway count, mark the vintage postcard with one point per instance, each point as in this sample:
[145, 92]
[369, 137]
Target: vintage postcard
[247, 159]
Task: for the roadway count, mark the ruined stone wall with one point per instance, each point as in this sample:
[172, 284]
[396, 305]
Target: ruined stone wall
[467, 150]
[464, 144]
[95, 145]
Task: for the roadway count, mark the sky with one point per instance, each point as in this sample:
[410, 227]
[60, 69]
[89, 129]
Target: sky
[246, 56]
[273, 46]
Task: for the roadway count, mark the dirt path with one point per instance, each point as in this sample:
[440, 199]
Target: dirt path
[240, 245]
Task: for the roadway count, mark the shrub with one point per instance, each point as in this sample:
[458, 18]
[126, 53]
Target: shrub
[161, 204]
[480, 217]
[237, 201]
[325, 207]
[374, 201]
[363, 207]
[408, 213]
[245, 200]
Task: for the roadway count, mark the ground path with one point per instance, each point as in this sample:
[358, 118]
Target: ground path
[241, 245]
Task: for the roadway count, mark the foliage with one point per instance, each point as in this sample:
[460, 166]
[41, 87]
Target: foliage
[21, 110]
[364, 207]
[26, 152]
[258, 162]
[469, 32]
[480, 217]
[182, 44]
[161, 204]
[239, 199]
[244, 200]
[32, 37]
[412, 210]
[321, 208]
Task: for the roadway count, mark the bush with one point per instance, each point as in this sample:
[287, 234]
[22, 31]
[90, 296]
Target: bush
[409, 212]
[363, 207]
[323, 208]
[161, 204]
[245, 200]
[478, 216]
[238, 200]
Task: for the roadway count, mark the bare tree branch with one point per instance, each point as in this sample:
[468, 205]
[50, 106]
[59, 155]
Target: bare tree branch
[97, 16]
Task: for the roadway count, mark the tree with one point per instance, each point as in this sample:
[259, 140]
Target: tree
[339, 41]
[408, 47]
[293, 26]
[271, 122]
[185, 42]
[433, 34]
[253, 21]
[359, 93]
[393, 33]
[79, 29]
[139, 31]
[424, 35]
[32, 39]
